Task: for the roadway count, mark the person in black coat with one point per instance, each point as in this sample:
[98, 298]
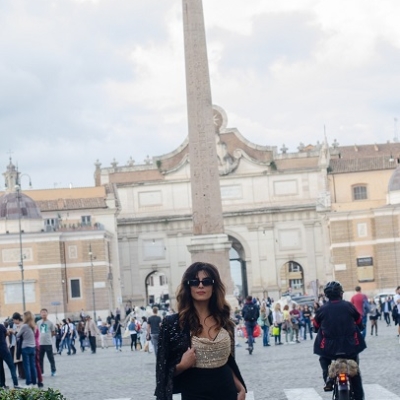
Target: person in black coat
[196, 346]
[338, 324]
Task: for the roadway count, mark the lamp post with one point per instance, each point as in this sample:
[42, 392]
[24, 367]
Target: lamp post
[21, 252]
[92, 275]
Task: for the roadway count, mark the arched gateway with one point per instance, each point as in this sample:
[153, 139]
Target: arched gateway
[292, 278]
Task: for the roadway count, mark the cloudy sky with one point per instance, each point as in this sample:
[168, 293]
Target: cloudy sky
[82, 80]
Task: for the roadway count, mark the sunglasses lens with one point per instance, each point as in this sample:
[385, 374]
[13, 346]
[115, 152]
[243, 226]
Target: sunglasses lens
[204, 282]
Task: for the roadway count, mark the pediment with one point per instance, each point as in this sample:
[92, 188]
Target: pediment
[231, 146]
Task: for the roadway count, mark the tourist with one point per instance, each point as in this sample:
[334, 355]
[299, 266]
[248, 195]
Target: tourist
[81, 335]
[264, 313]
[27, 334]
[5, 356]
[91, 331]
[307, 322]
[287, 325]
[295, 321]
[46, 331]
[72, 335]
[37, 358]
[153, 328]
[14, 329]
[359, 300]
[373, 316]
[103, 334]
[387, 309]
[133, 331]
[144, 343]
[65, 338]
[117, 334]
[396, 315]
[277, 317]
[59, 335]
[196, 345]
[250, 313]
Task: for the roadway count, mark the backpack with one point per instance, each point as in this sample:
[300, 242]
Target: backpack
[251, 313]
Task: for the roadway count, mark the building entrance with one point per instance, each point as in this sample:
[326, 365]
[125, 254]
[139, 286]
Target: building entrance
[292, 278]
[238, 269]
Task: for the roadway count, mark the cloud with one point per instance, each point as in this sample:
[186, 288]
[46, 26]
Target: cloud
[88, 79]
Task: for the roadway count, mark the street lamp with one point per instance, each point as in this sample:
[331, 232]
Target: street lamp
[21, 252]
[91, 271]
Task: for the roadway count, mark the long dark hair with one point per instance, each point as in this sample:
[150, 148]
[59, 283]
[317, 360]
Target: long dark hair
[218, 306]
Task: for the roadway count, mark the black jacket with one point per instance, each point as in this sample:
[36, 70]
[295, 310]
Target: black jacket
[246, 314]
[338, 333]
[172, 343]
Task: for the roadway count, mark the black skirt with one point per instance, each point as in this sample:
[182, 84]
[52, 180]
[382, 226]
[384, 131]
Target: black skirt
[208, 384]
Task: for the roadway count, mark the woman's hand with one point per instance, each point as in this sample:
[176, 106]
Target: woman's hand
[188, 360]
[242, 394]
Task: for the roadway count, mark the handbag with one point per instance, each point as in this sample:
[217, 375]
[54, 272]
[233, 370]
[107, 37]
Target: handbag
[148, 337]
[284, 326]
[86, 342]
[19, 347]
[275, 331]
[260, 322]
[126, 333]
[257, 331]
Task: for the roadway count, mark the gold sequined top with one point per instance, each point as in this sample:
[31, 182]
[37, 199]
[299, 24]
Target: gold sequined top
[212, 353]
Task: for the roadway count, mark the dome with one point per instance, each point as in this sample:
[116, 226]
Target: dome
[394, 183]
[9, 208]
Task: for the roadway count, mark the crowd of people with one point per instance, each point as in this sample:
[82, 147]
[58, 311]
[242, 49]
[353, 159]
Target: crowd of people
[24, 343]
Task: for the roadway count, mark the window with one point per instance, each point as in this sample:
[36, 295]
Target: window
[163, 280]
[13, 292]
[75, 288]
[51, 224]
[86, 220]
[296, 284]
[293, 267]
[359, 193]
[151, 281]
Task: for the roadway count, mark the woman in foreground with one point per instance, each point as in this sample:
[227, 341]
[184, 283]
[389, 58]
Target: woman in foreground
[196, 345]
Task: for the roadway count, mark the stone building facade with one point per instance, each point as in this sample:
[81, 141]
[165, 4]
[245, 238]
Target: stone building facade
[364, 220]
[273, 206]
[68, 244]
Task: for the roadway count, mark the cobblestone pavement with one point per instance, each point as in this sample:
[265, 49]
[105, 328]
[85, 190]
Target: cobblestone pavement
[270, 373]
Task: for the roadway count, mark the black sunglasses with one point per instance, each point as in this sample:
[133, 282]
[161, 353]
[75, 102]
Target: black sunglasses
[204, 282]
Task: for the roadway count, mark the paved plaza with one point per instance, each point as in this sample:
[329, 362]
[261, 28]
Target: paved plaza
[289, 372]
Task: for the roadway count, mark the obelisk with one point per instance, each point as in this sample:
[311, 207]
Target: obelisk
[209, 243]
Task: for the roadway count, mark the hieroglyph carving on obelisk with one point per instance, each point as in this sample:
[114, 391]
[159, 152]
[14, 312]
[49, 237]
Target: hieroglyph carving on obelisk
[209, 242]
